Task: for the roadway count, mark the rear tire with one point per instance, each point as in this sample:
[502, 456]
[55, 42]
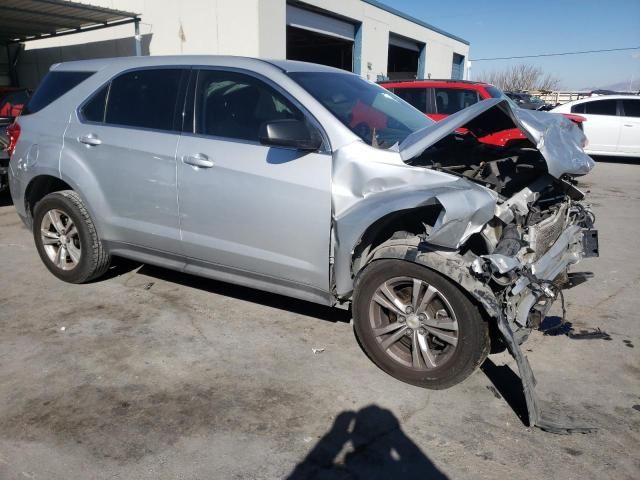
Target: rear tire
[417, 325]
[66, 238]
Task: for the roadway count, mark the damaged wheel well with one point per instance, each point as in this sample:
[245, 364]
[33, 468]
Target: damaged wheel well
[410, 222]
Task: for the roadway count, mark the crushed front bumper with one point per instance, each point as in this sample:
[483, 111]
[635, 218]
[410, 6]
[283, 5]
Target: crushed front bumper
[567, 250]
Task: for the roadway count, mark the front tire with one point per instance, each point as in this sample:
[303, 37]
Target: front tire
[66, 238]
[418, 326]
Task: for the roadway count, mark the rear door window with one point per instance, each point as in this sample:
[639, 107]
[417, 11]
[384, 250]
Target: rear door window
[235, 105]
[452, 100]
[144, 99]
[631, 108]
[416, 97]
[601, 107]
[53, 86]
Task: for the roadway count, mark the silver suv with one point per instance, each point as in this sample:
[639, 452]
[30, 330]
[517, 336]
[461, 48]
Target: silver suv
[310, 182]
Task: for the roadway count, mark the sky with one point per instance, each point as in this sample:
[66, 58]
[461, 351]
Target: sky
[500, 28]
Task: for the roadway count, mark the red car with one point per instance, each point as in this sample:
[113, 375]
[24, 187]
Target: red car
[440, 98]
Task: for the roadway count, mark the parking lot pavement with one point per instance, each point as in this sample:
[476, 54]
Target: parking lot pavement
[154, 374]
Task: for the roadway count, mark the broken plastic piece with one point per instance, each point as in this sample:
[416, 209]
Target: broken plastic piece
[595, 334]
[317, 350]
[550, 421]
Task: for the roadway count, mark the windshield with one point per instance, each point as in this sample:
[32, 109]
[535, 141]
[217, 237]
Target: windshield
[376, 115]
[495, 92]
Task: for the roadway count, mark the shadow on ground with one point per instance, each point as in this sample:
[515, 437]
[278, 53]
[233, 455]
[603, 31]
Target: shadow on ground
[367, 444]
[507, 384]
[121, 266]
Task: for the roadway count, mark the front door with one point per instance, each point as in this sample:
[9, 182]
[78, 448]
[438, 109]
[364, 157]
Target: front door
[255, 212]
[124, 139]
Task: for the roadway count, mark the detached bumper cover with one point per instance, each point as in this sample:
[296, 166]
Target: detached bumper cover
[575, 243]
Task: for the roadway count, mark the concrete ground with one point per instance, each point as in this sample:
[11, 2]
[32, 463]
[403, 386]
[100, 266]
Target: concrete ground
[158, 375]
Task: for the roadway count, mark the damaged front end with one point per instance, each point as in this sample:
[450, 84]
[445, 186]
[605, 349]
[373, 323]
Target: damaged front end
[545, 228]
[509, 228]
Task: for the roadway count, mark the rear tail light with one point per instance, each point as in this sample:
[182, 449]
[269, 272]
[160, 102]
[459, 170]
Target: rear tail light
[13, 131]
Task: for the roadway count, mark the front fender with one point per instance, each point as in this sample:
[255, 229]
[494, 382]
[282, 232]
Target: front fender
[465, 209]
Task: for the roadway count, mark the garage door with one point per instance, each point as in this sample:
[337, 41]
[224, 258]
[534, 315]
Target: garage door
[318, 23]
[317, 38]
[457, 67]
[404, 58]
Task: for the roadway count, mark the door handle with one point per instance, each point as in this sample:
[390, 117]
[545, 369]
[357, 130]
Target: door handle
[198, 160]
[91, 139]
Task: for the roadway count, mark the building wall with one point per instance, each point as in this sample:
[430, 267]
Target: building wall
[235, 27]
[378, 23]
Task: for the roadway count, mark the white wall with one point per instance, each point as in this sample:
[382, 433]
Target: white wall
[235, 27]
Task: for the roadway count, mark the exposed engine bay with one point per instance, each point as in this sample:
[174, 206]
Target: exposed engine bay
[533, 210]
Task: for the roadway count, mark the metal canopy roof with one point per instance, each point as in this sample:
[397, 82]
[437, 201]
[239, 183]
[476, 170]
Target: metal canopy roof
[23, 20]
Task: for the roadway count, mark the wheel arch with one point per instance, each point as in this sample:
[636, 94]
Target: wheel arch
[397, 224]
[39, 187]
[449, 213]
[42, 185]
[449, 264]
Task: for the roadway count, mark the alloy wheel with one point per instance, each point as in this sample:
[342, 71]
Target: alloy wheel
[60, 239]
[413, 323]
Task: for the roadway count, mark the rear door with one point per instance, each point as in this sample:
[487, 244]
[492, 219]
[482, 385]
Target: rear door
[125, 138]
[630, 130]
[602, 127]
[250, 212]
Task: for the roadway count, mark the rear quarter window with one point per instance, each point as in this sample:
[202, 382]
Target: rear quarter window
[52, 87]
[578, 108]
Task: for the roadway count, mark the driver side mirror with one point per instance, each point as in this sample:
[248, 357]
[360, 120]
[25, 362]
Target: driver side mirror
[290, 133]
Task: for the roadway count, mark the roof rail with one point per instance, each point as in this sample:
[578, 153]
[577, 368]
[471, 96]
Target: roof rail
[441, 80]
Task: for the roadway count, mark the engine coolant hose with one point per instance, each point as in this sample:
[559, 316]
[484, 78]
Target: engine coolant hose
[510, 242]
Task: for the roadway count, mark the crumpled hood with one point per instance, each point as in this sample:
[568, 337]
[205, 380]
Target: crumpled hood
[559, 140]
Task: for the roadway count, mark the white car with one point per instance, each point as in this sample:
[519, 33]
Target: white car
[612, 126]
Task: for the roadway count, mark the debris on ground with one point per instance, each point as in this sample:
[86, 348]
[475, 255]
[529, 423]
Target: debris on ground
[317, 350]
[149, 285]
[589, 334]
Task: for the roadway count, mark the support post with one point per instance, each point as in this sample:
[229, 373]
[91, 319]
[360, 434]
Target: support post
[138, 38]
[422, 63]
[357, 52]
